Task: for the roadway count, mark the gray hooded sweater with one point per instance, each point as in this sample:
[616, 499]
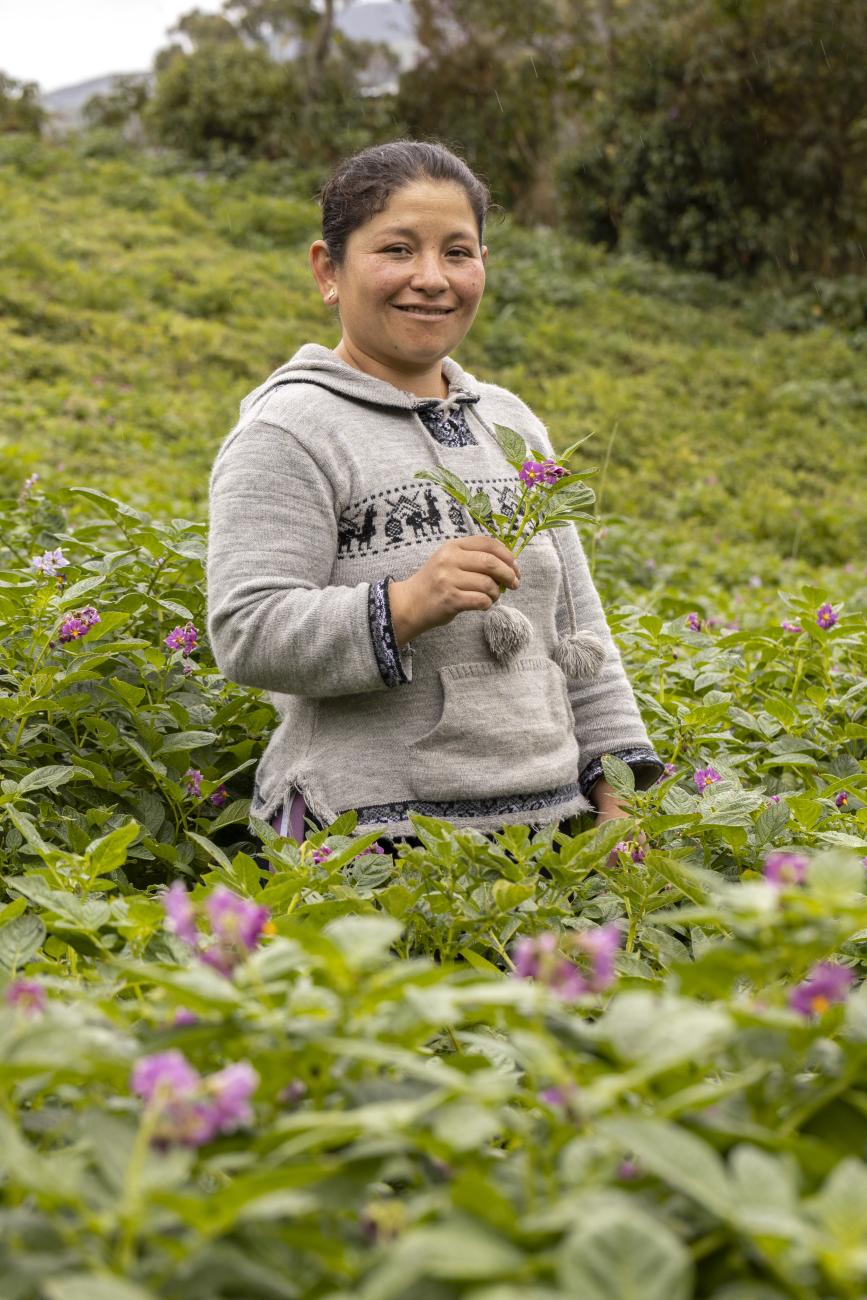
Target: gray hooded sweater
[314, 510]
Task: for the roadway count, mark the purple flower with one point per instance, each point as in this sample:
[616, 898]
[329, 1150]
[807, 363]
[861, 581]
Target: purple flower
[539, 959]
[630, 847]
[183, 638]
[706, 776]
[193, 778]
[49, 562]
[842, 799]
[790, 627]
[552, 471]
[77, 625]
[187, 1109]
[628, 1170]
[774, 798]
[180, 913]
[233, 919]
[237, 927]
[319, 855]
[786, 868]
[293, 1093]
[668, 770]
[826, 982]
[219, 797]
[27, 995]
[27, 487]
[755, 580]
[183, 1017]
[693, 621]
[532, 472]
[372, 848]
[187, 667]
[230, 1090]
[601, 945]
[164, 1075]
[825, 615]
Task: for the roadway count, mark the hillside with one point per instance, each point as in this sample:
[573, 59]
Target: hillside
[138, 304]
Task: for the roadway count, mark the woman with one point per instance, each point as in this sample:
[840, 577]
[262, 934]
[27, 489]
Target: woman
[356, 594]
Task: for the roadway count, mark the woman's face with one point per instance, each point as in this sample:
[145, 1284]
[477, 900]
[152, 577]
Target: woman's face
[412, 278]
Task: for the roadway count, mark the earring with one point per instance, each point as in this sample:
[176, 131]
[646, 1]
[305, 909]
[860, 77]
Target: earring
[331, 294]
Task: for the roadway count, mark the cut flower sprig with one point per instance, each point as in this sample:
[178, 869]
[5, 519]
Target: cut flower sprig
[552, 496]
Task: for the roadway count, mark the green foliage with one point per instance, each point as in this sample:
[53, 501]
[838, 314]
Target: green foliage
[163, 296]
[424, 1124]
[724, 136]
[20, 110]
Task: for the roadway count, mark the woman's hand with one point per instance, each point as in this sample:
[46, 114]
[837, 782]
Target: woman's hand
[464, 573]
[608, 805]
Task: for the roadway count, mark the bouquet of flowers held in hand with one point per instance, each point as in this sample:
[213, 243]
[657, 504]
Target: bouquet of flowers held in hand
[552, 496]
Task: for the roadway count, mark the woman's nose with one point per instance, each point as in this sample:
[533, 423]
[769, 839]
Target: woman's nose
[428, 275]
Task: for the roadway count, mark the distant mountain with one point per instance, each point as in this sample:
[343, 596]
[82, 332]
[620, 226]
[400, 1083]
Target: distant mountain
[65, 105]
[389, 21]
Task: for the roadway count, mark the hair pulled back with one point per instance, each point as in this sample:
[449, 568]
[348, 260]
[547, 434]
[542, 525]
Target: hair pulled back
[362, 185]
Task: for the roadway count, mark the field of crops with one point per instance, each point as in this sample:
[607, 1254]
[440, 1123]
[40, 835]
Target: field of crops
[527, 1066]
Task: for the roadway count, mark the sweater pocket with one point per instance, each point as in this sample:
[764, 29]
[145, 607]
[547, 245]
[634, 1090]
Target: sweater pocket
[501, 731]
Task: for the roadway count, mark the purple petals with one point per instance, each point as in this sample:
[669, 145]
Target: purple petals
[50, 562]
[193, 778]
[786, 868]
[842, 799]
[787, 626]
[693, 622]
[546, 472]
[77, 625]
[826, 982]
[219, 797]
[826, 616]
[187, 1109]
[234, 930]
[180, 913]
[27, 995]
[540, 959]
[184, 638]
[164, 1075]
[706, 776]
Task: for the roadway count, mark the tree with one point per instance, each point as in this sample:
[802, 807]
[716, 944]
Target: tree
[20, 109]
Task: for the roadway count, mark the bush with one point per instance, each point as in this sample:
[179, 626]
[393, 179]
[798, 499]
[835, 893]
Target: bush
[20, 110]
[728, 136]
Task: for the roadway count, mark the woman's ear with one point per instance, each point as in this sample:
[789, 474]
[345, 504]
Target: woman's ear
[485, 253]
[324, 270]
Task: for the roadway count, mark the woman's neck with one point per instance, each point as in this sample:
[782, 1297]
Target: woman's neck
[426, 383]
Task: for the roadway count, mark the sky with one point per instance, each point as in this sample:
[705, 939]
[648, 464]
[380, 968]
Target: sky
[60, 42]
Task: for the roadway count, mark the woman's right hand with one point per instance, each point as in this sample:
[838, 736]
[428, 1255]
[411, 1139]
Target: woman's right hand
[464, 573]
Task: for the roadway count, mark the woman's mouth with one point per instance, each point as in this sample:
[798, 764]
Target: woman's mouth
[423, 313]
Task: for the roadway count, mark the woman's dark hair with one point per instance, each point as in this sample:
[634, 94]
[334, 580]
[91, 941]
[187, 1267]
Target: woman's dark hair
[362, 185]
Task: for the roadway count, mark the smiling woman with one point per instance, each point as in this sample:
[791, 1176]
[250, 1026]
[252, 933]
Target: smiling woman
[355, 593]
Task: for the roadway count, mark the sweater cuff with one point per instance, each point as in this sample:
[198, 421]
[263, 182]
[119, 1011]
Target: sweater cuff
[648, 768]
[390, 660]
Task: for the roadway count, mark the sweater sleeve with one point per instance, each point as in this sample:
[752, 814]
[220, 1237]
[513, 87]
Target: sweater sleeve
[607, 718]
[274, 622]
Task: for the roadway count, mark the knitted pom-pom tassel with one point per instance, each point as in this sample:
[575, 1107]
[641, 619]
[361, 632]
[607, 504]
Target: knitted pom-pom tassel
[507, 631]
[580, 656]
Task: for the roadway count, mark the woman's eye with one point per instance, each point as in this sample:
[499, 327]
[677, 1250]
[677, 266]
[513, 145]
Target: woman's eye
[461, 252]
[397, 248]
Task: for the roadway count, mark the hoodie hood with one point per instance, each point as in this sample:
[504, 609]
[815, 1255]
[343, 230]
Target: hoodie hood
[314, 364]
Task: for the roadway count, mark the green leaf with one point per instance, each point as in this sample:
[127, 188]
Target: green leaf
[680, 1159]
[509, 894]
[618, 774]
[20, 939]
[835, 876]
[109, 852]
[364, 939]
[620, 1252]
[511, 444]
[771, 823]
[184, 740]
[94, 1286]
[48, 778]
